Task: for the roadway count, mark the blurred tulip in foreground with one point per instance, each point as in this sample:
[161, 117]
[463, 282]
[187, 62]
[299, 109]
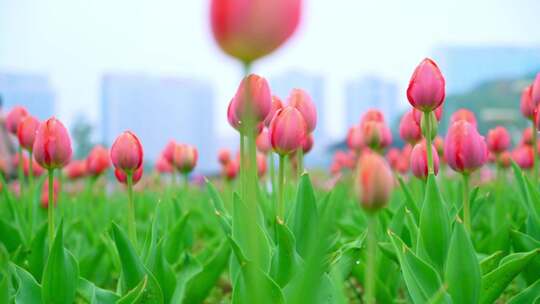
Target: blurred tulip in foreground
[375, 182]
[498, 140]
[465, 150]
[287, 131]
[426, 89]
[14, 118]
[419, 164]
[97, 161]
[524, 156]
[127, 152]
[52, 145]
[527, 106]
[26, 132]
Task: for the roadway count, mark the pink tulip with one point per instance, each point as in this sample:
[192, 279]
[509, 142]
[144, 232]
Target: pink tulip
[163, 166]
[463, 114]
[355, 141]
[465, 149]
[498, 140]
[251, 101]
[526, 137]
[301, 100]
[185, 158]
[277, 105]
[261, 164]
[127, 152]
[76, 169]
[52, 145]
[14, 118]
[438, 143]
[527, 106]
[372, 115]
[418, 114]
[45, 193]
[419, 164]
[523, 155]
[426, 89]
[393, 157]
[248, 30]
[376, 135]
[37, 170]
[263, 141]
[409, 129]
[26, 132]
[224, 156]
[231, 169]
[505, 159]
[535, 91]
[168, 152]
[121, 176]
[287, 131]
[307, 144]
[375, 182]
[97, 161]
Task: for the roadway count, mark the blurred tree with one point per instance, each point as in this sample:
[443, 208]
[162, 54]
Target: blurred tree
[82, 137]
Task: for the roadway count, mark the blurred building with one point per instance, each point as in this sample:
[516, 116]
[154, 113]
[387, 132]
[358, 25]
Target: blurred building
[29, 90]
[158, 109]
[467, 67]
[282, 84]
[371, 92]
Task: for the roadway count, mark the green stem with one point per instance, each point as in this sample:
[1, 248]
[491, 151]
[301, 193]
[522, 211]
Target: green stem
[535, 149]
[272, 173]
[131, 210]
[186, 181]
[243, 167]
[370, 278]
[31, 203]
[281, 187]
[21, 169]
[300, 159]
[50, 208]
[466, 203]
[427, 135]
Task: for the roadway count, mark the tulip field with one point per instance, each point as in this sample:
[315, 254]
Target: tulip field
[448, 217]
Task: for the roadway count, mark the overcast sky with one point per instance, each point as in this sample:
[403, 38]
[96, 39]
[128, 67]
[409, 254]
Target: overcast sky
[76, 41]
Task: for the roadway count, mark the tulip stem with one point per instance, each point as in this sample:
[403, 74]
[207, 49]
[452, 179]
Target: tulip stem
[31, 191]
[300, 158]
[243, 166]
[370, 278]
[281, 187]
[50, 208]
[21, 168]
[131, 210]
[466, 203]
[535, 149]
[186, 181]
[427, 135]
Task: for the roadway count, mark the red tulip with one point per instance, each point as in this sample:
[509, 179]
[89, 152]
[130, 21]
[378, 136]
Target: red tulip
[426, 89]
[463, 114]
[409, 129]
[231, 169]
[355, 142]
[14, 118]
[399, 159]
[168, 152]
[127, 152]
[97, 161]
[301, 100]
[535, 92]
[276, 106]
[307, 144]
[26, 132]
[438, 143]
[419, 164]
[287, 131]
[526, 137]
[465, 149]
[372, 115]
[523, 155]
[376, 135]
[248, 30]
[345, 160]
[527, 106]
[52, 145]
[505, 159]
[375, 182]
[263, 141]
[251, 101]
[393, 156]
[261, 164]
[418, 114]
[76, 169]
[122, 177]
[498, 140]
[185, 158]
[163, 166]
[224, 156]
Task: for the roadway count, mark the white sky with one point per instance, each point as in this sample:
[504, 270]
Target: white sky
[76, 41]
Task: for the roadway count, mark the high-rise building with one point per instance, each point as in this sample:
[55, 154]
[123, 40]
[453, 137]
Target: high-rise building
[467, 67]
[371, 92]
[32, 91]
[281, 85]
[159, 109]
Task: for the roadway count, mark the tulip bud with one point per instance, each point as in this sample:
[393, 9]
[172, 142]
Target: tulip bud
[287, 131]
[372, 115]
[75, 169]
[418, 115]
[376, 135]
[127, 152]
[14, 118]
[261, 164]
[524, 156]
[97, 161]
[26, 132]
[438, 143]
[248, 30]
[355, 141]
[426, 89]
[252, 101]
[121, 176]
[52, 145]
[498, 140]
[505, 159]
[231, 169]
[465, 149]
[168, 152]
[303, 103]
[163, 166]
[393, 157]
[375, 182]
[409, 130]
[185, 158]
[526, 137]
[419, 163]
[263, 141]
[527, 106]
[307, 144]
[224, 156]
[276, 106]
[463, 114]
[535, 91]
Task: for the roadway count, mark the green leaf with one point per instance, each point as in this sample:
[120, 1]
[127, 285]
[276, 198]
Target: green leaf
[174, 242]
[388, 250]
[4, 287]
[38, 252]
[9, 235]
[94, 295]
[61, 273]
[164, 274]
[409, 201]
[286, 261]
[421, 279]
[253, 284]
[305, 217]
[530, 295]
[136, 294]
[434, 225]
[488, 264]
[28, 290]
[495, 282]
[462, 273]
[523, 243]
[199, 287]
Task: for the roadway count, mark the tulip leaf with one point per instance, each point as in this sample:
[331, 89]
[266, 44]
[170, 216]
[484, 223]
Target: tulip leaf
[462, 272]
[495, 282]
[253, 284]
[9, 236]
[305, 217]
[523, 243]
[164, 274]
[409, 201]
[28, 290]
[136, 294]
[286, 261]
[530, 295]
[488, 264]
[174, 242]
[434, 225]
[94, 295]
